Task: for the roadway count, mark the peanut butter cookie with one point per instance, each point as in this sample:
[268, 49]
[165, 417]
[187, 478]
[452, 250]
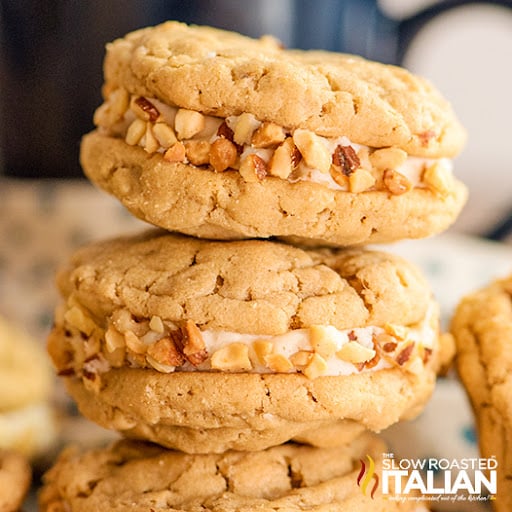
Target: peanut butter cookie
[205, 346]
[217, 135]
[482, 327]
[287, 478]
[15, 478]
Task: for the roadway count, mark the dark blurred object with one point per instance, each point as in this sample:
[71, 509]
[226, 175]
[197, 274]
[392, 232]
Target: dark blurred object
[51, 56]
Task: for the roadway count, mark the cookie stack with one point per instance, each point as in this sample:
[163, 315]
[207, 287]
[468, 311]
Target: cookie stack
[246, 321]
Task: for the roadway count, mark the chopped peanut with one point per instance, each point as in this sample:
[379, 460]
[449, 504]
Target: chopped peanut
[396, 183]
[268, 134]
[151, 144]
[261, 349]
[253, 168]
[360, 181]
[354, 352]
[135, 132]
[388, 158]
[156, 324]
[316, 367]
[398, 331]
[321, 341]
[233, 357]
[113, 339]
[313, 150]
[194, 348]
[245, 126]
[198, 152]
[279, 363]
[301, 358]
[164, 352]
[176, 153]
[439, 179]
[77, 318]
[223, 154]
[285, 159]
[134, 344]
[164, 134]
[188, 123]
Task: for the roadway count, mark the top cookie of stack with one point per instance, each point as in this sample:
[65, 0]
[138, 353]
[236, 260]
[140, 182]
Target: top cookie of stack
[217, 135]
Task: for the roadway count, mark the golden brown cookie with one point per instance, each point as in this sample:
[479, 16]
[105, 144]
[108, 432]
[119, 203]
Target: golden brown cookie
[288, 478]
[15, 478]
[482, 327]
[216, 135]
[27, 418]
[206, 346]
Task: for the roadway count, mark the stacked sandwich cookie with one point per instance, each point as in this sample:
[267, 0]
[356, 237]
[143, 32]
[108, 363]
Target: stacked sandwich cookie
[242, 335]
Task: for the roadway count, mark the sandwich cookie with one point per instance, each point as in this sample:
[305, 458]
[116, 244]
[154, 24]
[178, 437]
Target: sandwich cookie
[217, 135]
[206, 346]
[28, 421]
[482, 328]
[138, 476]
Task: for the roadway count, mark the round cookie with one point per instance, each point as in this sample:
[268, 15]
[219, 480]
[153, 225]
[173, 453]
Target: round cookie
[288, 478]
[15, 478]
[206, 346]
[482, 328]
[216, 135]
[27, 418]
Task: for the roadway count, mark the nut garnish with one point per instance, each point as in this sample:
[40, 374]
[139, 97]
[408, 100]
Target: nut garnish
[316, 367]
[245, 126]
[192, 343]
[354, 352]
[267, 135]
[398, 331]
[346, 159]
[439, 179]
[360, 180]
[77, 318]
[232, 357]
[321, 341]
[144, 109]
[113, 339]
[253, 168]
[176, 153]
[395, 182]
[188, 123]
[135, 132]
[405, 354]
[164, 134]
[156, 324]
[150, 143]
[261, 349]
[198, 152]
[388, 158]
[285, 159]
[301, 358]
[313, 150]
[223, 154]
[164, 352]
[134, 343]
[279, 363]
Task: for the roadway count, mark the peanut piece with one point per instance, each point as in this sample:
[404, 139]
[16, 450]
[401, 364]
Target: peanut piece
[301, 358]
[77, 318]
[134, 344]
[284, 160]
[113, 339]
[223, 154]
[354, 352]
[253, 168]
[360, 181]
[150, 144]
[268, 134]
[321, 341]
[233, 357]
[176, 153]
[439, 179]
[156, 324]
[313, 150]
[193, 347]
[164, 135]
[188, 123]
[395, 182]
[388, 158]
[144, 109]
[164, 352]
[135, 132]
[245, 126]
[261, 349]
[316, 367]
[279, 363]
[198, 152]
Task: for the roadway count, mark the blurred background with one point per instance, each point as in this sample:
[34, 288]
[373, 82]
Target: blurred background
[51, 71]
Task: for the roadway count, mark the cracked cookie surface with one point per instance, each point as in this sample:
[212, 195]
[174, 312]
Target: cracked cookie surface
[243, 344]
[287, 478]
[482, 327]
